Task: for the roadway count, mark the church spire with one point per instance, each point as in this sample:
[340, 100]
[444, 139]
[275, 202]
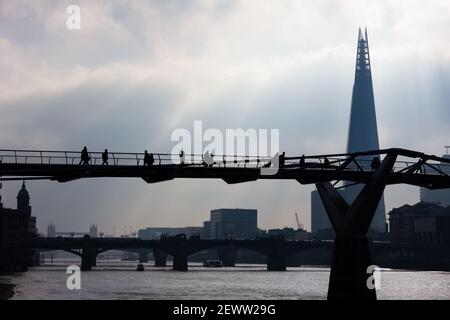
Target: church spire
[23, 200]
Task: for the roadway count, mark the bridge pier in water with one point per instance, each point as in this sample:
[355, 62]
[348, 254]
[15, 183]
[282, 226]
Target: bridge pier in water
[143, 255]
[276, 262]
[351, 251]
[276, 256]
[349, 270]
[88, 260]
[227, 255]
[88, 255]
[160, 258]
[180, 261]
[178, 248]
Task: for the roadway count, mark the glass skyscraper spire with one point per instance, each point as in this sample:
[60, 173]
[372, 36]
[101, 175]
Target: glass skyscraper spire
[362, 131]
[362, 136]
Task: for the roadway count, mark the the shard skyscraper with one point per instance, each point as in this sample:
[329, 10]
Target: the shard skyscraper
[362, 136]
[362, 131]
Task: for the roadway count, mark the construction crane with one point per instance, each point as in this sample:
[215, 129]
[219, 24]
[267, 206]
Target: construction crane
[299, 225]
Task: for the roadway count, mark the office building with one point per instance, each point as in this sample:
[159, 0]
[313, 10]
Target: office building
[423, 225]
[233, 224]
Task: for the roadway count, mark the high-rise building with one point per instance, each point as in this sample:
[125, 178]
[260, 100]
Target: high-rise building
[51, 230]
[319, 217]
[362, 135]
[233, 224]
[206, 231]
[363, 132]
[441, 196]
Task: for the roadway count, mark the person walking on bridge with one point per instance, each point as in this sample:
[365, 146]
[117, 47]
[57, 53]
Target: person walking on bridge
[182, 157]
[281, 159]
[105, 157]
[151, 160]
[375, 163]
[84, 159]
[302, 160]
[148, 159]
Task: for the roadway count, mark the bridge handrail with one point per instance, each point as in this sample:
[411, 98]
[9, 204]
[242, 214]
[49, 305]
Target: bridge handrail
[360, 160]
[70, 157]
[399, 151]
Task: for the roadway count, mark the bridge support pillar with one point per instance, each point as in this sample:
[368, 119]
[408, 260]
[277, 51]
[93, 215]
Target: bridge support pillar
[180, 262]
[227, 255]
[179, 248]
[88, 255]
[351, 253]
[94, 259]
[143, 255]
[276, 262]
[160, 258]
[349, 270]
[36, 261]
[88, 260]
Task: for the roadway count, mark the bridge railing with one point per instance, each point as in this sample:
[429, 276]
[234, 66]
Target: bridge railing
[364, 163]
[361, 161]
[126, 159]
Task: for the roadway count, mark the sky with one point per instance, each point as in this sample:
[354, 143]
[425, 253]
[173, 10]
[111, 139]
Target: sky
[137, 70]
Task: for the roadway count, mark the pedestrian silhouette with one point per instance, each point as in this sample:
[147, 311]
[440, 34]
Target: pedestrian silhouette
[421, 168]
[181, 157]
[84, 159]
[105, 157]
[212, 160]
[302, 160]
[149, 159]
[203, 160]
[281, 159]
[375, 163]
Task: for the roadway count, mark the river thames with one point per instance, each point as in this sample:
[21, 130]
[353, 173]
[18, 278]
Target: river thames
[120, 280]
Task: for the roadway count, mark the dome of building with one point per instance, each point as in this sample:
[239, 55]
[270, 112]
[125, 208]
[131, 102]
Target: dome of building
[23, 193]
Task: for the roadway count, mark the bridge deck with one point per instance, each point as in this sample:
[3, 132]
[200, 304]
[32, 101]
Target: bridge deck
[412, 167]
[170, 245]
[105, 244]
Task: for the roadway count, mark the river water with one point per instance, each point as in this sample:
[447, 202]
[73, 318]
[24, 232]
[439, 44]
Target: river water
[120, 280]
